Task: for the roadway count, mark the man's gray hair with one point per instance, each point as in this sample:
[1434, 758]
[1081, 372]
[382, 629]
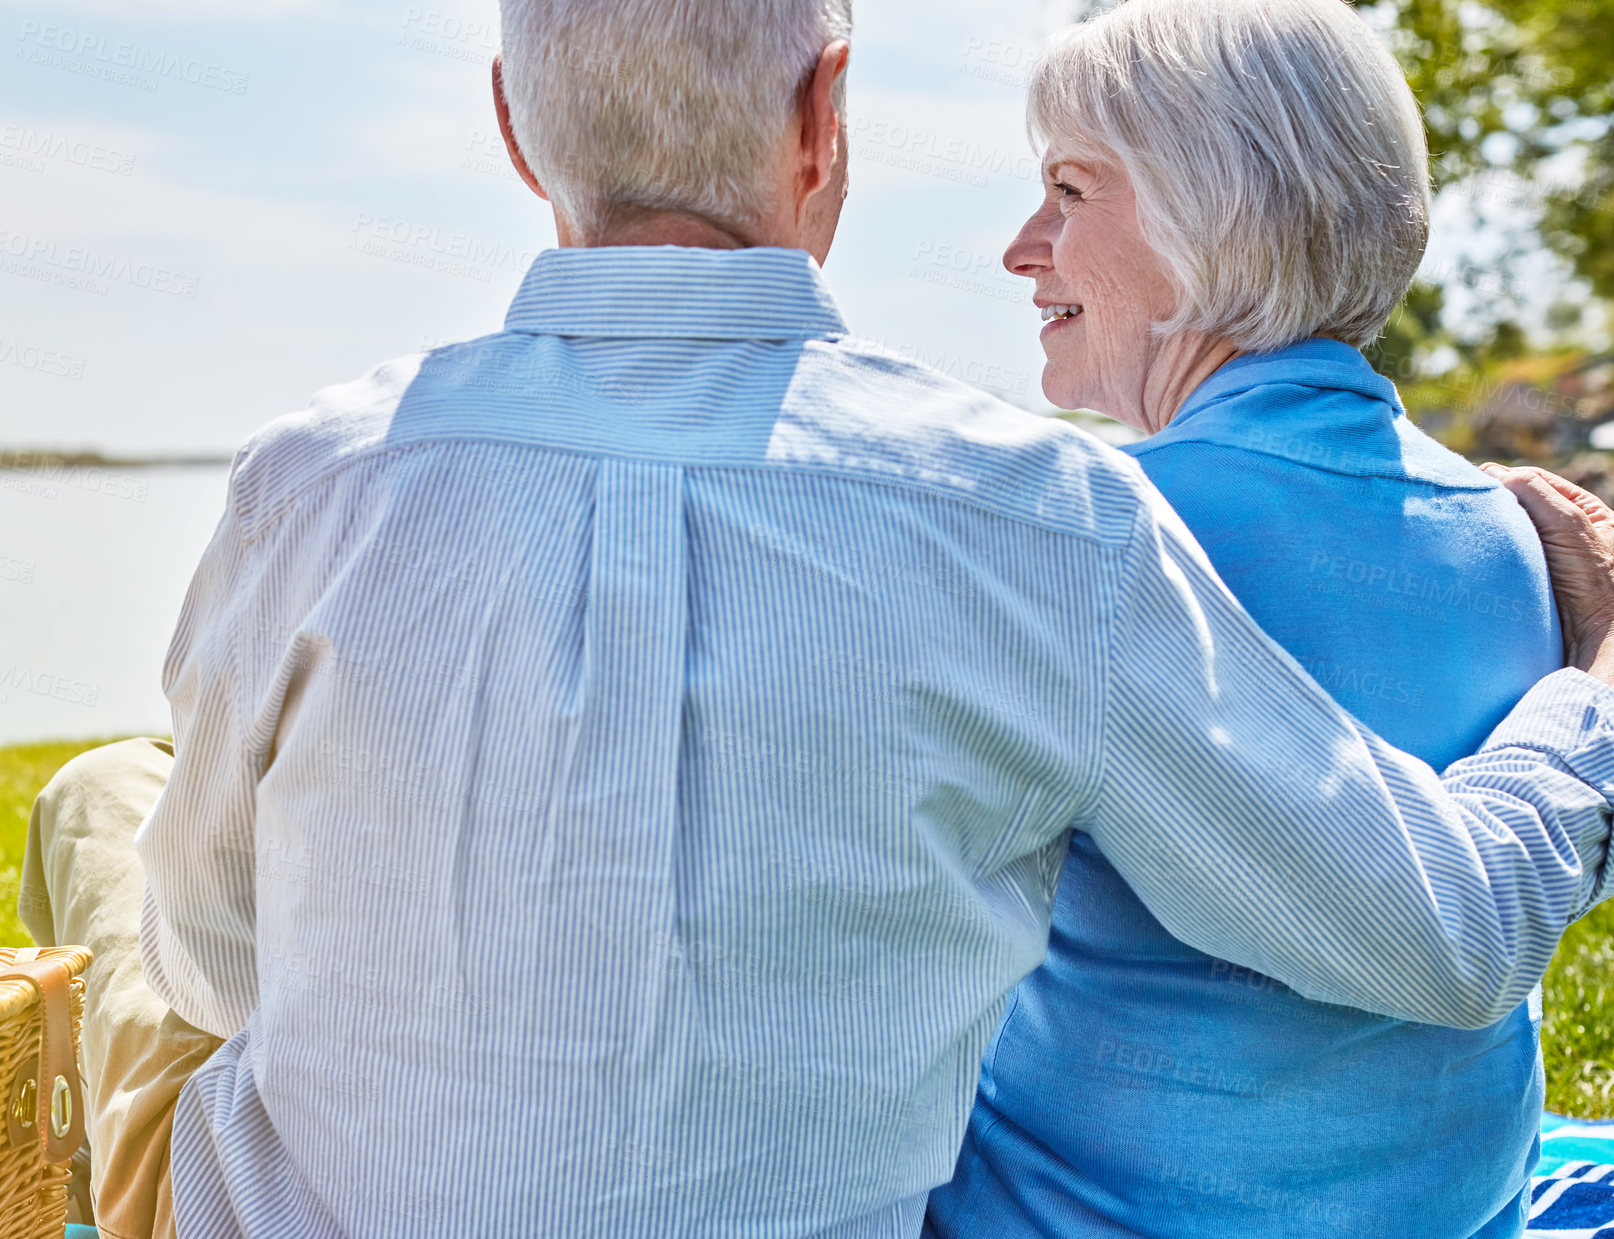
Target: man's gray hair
[660, 104]
[1277, 154]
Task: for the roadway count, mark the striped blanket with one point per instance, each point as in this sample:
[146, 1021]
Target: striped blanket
[1573, 1196]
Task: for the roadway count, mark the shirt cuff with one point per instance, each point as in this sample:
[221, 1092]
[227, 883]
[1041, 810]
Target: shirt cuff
[1570, 716]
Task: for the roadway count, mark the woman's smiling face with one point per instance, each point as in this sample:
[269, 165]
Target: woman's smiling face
[1087, 252]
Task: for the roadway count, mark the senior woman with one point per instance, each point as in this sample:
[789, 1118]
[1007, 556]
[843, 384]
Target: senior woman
[1236, 201]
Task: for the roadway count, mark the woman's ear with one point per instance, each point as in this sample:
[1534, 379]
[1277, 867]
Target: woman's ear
[501, 105]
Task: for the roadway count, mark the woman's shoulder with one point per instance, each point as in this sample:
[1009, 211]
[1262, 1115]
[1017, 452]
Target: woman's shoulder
[1299, 418]
[1427, 491]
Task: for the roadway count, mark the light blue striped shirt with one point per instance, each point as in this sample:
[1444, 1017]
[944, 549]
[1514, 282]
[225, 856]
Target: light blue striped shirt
[623, 763]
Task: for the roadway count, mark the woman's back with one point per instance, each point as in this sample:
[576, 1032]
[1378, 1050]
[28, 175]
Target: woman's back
[1407, 582]
[1139, 1087]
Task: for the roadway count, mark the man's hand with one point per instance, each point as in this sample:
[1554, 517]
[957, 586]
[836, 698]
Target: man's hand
[1577, 532]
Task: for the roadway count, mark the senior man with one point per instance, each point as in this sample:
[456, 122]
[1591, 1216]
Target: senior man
[622, 763]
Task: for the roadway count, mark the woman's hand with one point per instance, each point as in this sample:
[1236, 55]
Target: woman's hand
[1577, 532]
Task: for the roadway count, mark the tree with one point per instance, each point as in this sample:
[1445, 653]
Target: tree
[1523, 87]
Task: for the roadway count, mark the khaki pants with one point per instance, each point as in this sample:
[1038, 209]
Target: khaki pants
[82, 886]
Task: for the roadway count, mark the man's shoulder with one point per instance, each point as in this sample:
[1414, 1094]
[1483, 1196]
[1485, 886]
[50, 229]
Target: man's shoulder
[341, 425]
[858, 410]
[851, 410]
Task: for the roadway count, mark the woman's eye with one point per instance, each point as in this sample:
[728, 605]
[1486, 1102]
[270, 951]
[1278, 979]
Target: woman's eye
[1067, 194]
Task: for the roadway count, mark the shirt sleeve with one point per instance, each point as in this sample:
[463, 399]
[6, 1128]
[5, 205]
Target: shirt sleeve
[198, 921]
[1262, 824]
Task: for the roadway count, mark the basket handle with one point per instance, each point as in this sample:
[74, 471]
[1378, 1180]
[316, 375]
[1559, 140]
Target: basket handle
[60, 1117]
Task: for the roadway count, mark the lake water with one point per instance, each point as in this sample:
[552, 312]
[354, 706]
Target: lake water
[94, 565]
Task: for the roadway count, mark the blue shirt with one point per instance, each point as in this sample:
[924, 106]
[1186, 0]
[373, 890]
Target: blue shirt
[1141, 1087]
[623, 765]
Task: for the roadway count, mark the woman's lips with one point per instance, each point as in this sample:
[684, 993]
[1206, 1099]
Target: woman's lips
[1056, 324]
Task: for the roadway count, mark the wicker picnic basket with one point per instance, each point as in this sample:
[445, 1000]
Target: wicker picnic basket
[41, 1008]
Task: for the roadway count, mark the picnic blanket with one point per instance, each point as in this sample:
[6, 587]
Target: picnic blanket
[1573, 1194]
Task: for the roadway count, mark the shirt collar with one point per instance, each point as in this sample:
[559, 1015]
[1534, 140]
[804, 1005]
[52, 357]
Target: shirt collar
[1321, 363]
[1317, 403]
[675, 292]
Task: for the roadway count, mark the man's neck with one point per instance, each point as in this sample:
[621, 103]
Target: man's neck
[666, 228]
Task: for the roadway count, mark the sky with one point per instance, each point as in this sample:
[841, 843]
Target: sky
[208, 212]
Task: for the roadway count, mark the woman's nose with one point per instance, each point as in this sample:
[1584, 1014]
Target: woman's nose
[1032, 252]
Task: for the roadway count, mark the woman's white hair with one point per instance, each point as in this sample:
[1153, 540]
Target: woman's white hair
[1277, 154]
[660, 104]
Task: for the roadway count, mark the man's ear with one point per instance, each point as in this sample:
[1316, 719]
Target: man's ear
[501, 105]
[821, 136]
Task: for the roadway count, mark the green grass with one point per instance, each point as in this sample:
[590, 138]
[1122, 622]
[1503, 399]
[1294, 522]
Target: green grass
[1577, 1032]
[23, 771]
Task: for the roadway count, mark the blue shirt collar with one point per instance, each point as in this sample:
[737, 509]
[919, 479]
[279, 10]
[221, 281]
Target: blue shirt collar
[1319, 363]
[1319, 404]
[674, 292]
